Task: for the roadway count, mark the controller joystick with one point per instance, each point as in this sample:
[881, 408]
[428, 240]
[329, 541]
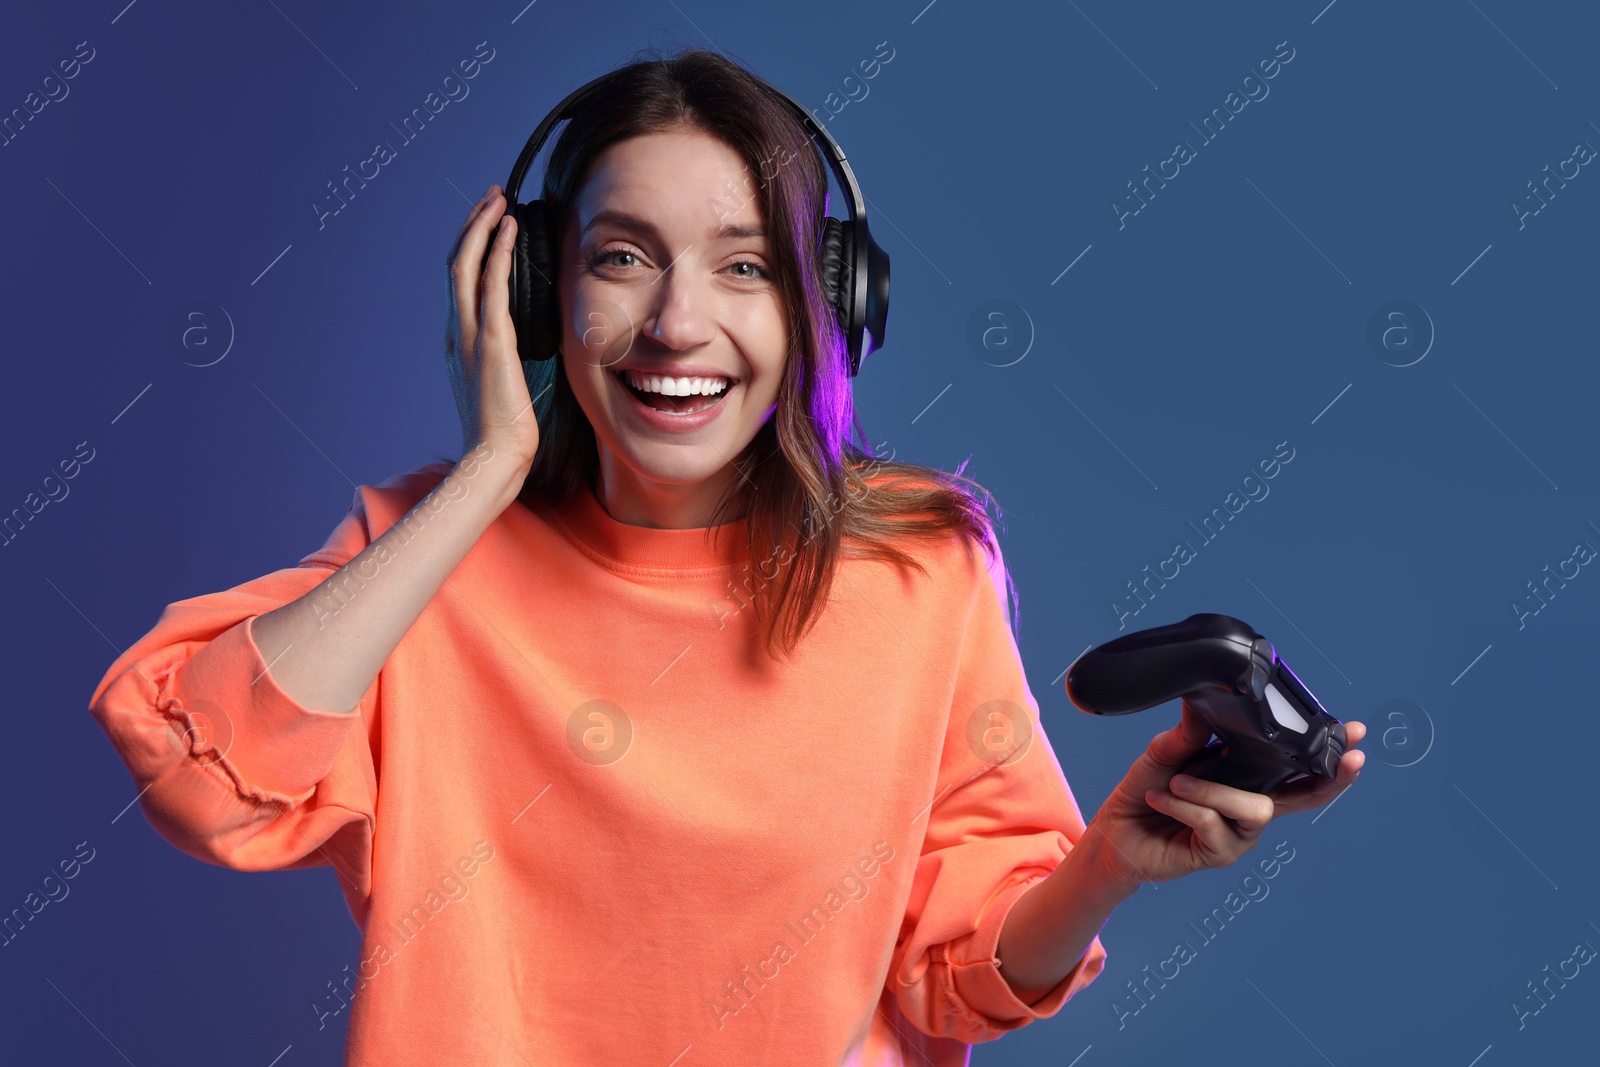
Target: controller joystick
[1269, 728]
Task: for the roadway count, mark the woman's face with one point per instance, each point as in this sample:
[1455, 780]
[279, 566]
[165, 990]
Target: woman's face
[674, 335]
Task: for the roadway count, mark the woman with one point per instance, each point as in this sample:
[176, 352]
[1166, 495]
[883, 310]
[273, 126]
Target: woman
[639, 740]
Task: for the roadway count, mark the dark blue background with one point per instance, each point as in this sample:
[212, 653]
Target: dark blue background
[1229, 315]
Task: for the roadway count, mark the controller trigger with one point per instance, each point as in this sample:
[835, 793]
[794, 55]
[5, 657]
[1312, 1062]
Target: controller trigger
[1261, 657]
[1333, 751]
[1329, 763]
[1259, 676]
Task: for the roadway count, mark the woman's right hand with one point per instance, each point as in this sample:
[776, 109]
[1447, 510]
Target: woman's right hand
[480, 342]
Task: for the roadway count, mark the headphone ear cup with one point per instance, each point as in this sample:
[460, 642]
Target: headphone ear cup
[838, 270]
[533, 301]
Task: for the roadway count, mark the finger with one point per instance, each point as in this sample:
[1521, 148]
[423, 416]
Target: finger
[496, 286]
[1174, 747]
[1250, 811]
[465, 269]
[1218, 837]
[1353, 733]
[1314, 791]
[472, 216]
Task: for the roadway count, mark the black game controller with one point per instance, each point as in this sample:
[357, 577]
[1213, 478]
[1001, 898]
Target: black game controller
[1269, 727]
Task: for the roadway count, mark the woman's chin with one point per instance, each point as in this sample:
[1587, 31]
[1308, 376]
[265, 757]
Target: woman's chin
[685, 462]
[679, 469]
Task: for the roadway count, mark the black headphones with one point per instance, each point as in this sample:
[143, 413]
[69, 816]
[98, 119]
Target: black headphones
[855, 271]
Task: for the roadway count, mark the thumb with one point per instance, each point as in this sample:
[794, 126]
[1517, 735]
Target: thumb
[1173, 748]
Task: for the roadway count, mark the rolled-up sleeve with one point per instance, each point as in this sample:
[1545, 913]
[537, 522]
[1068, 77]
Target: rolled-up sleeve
[1002, 819]
[229, 768]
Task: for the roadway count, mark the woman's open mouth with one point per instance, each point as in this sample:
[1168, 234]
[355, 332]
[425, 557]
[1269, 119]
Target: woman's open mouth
[675, 397]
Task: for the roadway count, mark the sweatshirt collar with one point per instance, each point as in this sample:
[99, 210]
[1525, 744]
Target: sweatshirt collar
[645, 548]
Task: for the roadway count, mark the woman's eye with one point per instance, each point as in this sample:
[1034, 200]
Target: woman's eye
[759, 270]
[607, 257]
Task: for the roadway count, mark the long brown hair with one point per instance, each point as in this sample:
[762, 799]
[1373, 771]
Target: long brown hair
[810, 493]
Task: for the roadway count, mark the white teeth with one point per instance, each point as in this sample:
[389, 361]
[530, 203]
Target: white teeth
[655, 383]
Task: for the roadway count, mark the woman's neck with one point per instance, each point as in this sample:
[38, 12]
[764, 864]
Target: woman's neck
[637, 501]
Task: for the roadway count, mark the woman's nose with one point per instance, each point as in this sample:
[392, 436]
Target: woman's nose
[680, 312]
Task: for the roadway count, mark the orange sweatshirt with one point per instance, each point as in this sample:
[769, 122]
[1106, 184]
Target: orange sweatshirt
[581, 821]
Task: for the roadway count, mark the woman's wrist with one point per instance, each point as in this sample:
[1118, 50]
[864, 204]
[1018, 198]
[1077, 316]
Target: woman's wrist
[494, 472]
[1109, 870]
[1053, 924]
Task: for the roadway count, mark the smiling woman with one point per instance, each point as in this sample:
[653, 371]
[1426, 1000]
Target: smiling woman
[725, 298]
[670, 794]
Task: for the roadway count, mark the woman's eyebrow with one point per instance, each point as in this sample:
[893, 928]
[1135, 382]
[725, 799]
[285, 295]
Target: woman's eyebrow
[633, 222]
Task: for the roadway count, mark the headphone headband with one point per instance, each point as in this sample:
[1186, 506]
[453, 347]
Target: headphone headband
[865, 303]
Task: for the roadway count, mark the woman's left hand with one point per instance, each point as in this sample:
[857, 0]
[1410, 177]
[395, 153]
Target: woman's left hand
[1162, 827]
